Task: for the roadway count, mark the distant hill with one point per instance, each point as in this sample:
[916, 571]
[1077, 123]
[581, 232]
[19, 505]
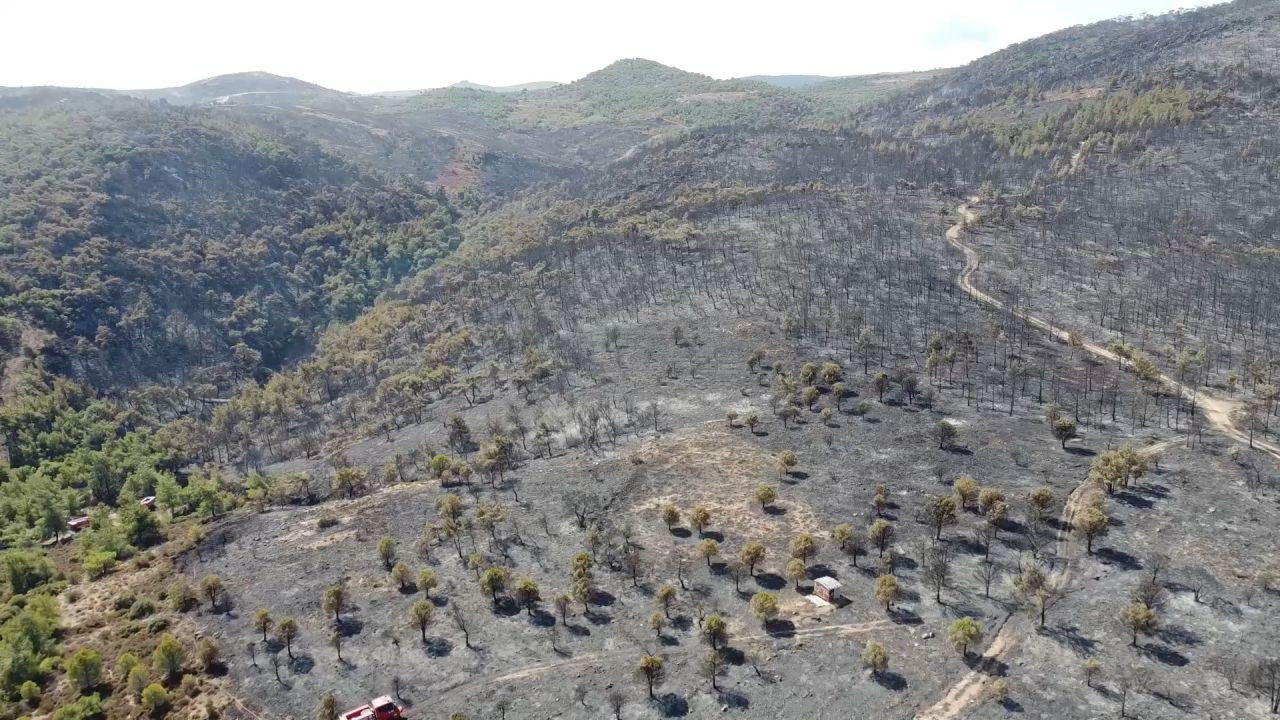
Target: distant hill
[792, 82]
[643, 91]
[542, 85]
[224, 87]
[848, 93]
[220, 88]
[468, 85]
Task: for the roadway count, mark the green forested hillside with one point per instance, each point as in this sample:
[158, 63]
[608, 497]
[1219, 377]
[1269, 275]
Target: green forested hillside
[150, 240]
[628, 92]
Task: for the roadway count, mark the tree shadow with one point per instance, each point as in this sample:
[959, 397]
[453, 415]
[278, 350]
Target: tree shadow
[1080, 451]
[439, 601]
[1069, 635]
[672, 705]
[348, 626]
[226, 607]
[541, 618]
[774, 510]
[890, 680]
[301, 664]
[733, 655]
[989, 665]
[1177, 700]
[1178, 635]
[1119, 558]
[1164, 654]
[596, 618]
[770, 581]
[602, 598]
[1011, 705]
[438, 647]
[821, 570]
[713, 535]
[798, 475]
[734, 700]
[668, 640]
[958, 450]
[903, 616]
[506, 607]
[680, 532]
[579, 630]
[1132, 500]
[780, 628]
[1152, 489]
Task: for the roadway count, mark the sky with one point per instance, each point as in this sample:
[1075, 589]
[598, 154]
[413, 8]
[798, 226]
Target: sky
[377, 45]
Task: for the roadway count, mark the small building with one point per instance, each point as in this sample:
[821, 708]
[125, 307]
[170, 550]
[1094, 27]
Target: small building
[76, 524]
[827, 588]
[149, 502]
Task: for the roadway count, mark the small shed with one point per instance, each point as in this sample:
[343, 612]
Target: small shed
[76, 524]
[827, 588]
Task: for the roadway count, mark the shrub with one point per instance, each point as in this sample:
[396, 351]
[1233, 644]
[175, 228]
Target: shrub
[168, 656]
[138, 680]
[24, 570]
[182, 597]
[142, 608]
[123, 602]
[84, 669]
[154, 699]
[208, 654]
[98, 563]
[326, 522]
[88, 707]
[125, 664]
[30, 693]
[190, 685]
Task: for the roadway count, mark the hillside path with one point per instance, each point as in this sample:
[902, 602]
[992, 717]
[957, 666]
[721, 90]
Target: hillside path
[972, 687]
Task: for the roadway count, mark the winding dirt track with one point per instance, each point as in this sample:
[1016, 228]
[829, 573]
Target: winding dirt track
[1216, 410]
[972, 686]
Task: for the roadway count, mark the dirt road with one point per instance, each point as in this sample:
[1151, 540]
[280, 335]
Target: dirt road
[1217, 410]
[972, 686]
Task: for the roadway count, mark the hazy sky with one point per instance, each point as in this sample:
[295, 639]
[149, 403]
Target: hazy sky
[370, 45]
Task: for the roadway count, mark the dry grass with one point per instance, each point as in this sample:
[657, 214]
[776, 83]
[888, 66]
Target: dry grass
[719, 469]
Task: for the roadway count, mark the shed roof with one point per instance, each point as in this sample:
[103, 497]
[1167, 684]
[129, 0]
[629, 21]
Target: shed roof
[828, 582]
